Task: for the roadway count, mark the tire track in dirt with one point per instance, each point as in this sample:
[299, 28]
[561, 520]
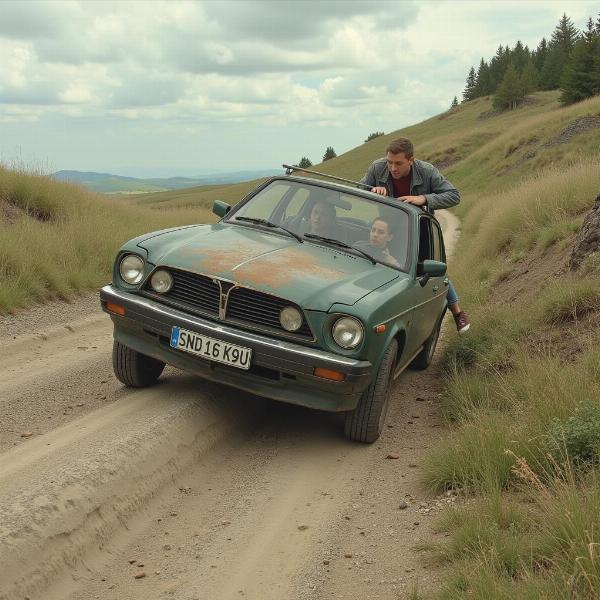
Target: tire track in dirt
[230, 497]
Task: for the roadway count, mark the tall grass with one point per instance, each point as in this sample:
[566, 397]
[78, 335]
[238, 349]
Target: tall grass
[521, 386]
[57, 238]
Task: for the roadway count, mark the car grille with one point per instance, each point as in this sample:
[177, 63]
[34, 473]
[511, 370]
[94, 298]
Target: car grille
[201, 294]
[250, 306]
[197, 291]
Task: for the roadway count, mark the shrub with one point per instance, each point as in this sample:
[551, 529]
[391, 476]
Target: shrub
[569, 300]
[374, 135]
[329, 153]
[577, 437]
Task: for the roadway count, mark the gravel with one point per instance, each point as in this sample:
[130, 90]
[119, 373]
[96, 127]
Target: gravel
[43, 316]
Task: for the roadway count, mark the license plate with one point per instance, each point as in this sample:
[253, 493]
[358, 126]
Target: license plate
[210, 348]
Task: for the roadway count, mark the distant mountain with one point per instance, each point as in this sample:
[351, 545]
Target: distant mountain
[107, 183]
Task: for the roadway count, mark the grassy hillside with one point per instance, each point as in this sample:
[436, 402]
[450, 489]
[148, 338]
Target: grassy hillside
[523, 387]
[57, 238]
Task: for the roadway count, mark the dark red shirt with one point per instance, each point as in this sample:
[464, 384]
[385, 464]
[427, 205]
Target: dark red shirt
[401, 186]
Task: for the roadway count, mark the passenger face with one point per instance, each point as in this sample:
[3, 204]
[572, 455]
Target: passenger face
[399, 165]
[380, 235]
[321, 220]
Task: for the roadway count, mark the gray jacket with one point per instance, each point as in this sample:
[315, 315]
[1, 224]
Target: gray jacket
[425, 180]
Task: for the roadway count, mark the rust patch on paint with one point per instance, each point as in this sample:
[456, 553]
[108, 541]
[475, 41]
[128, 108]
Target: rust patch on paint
[290, 265]
[220, 260]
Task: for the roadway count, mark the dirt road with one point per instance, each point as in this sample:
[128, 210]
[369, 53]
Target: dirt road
[192, 490]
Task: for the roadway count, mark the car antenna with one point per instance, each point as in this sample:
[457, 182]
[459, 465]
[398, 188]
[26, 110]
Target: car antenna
[289, 169]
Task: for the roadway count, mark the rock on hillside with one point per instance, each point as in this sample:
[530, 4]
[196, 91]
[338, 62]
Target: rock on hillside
[588, 238]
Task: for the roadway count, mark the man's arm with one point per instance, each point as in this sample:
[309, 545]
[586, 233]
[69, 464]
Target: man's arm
[443, 194]
[370, 178]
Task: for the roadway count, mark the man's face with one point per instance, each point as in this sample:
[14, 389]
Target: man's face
[380, 235]
[398, 164]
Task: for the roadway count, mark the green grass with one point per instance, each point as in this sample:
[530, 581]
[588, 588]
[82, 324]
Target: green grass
[520, 443]
[59, 239]
[75, 233]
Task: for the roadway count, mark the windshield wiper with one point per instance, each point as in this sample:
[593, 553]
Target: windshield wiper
[269, 224]
[340, 244]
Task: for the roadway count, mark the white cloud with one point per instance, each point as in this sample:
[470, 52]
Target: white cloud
[179, 66]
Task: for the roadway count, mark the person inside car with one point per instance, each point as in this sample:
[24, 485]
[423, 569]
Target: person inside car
[380, 236]
[322, 219]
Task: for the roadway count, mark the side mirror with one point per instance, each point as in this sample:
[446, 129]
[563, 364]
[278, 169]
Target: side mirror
[221, 208]
[433, 268]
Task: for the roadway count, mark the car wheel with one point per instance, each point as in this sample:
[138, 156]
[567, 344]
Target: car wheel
[422, 360]
[133, 368]
[365, 423]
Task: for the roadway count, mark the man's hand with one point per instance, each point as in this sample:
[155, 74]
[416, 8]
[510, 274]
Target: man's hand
[416, 200]
[379, 190]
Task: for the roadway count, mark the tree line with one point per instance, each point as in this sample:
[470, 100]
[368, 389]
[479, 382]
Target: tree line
[305, 162]
[569, 61]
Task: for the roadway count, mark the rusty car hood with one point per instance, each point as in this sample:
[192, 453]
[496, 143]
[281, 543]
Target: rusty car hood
[311, 275]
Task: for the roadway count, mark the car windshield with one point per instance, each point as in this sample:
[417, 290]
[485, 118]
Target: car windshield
[375, 228]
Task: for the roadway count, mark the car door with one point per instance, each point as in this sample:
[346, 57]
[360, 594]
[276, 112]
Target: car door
[431, 293]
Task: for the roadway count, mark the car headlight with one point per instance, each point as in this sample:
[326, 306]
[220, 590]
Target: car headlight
[131, 268]
[161, 281]
[290, 318]
[347, 332]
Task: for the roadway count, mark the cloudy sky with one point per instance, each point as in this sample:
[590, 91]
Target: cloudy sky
[181, 87]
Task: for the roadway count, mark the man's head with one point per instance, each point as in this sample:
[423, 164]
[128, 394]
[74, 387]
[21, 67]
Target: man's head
[322, 217]
[400, 157]
[381, 233]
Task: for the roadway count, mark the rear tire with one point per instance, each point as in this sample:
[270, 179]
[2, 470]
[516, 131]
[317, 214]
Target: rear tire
[133, 368]
[425, 357]
[365, 423]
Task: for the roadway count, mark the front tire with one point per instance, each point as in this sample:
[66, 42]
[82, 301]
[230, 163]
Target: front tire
[133, 368]
[365, 423]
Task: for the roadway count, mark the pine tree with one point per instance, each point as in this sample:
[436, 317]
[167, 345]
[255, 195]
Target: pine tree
[530, 78]
[469, 91]
[562, 42]
[483, 83]
[553, 67]
[510, 92]
[596, 71]
[454, 102]
[579, 77]
[305, 163]
[498, 66]
[578, 82]
[518, 57]
[565, 35]
[329, 153]
[539, 56]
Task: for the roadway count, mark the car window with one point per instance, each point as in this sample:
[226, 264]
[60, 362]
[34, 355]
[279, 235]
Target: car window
[297, 201]
[425, 246]
[264, 203]
[307, 208]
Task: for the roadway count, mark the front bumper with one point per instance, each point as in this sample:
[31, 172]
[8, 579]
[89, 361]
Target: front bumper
[280, 370]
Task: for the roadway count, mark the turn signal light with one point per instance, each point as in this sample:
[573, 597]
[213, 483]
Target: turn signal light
[380, 328]
[115, 308]
[329, 374]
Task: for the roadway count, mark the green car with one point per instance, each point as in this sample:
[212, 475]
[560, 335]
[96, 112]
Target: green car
[308, 292]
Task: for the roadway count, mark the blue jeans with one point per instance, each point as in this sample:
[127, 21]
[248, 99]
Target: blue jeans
[452, 295]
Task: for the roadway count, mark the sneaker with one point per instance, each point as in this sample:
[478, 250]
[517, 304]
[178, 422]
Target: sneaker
[462, 322]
